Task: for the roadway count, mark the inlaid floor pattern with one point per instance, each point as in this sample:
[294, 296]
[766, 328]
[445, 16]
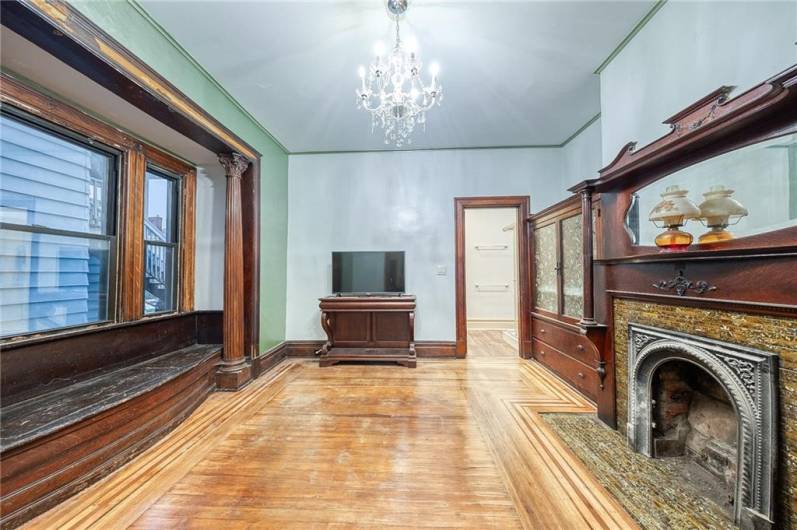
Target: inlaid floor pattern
[450, 444]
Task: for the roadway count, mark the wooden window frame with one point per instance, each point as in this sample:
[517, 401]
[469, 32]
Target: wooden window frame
[174, 273]
[111, 215]
[134, 157]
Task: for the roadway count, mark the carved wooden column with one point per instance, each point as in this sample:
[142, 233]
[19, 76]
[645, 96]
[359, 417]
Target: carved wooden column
[586, 241]
[234, 371]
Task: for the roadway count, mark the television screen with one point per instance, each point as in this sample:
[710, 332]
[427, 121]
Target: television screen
[368, 272]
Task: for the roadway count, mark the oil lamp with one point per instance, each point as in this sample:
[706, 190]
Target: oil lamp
[717, 212]
[674, 210]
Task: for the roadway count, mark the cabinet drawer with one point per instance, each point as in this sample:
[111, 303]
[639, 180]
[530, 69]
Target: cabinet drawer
[570, 342]
[579, 375]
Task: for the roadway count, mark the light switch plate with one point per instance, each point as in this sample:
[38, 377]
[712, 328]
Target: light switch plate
[441, 270]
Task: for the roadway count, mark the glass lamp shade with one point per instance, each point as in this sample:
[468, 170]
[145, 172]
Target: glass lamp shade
[718, 211]
[674, 210]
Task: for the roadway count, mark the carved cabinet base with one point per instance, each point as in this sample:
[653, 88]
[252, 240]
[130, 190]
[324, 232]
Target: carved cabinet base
[368, 328]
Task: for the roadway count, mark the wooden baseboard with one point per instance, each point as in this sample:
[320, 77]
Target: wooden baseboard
[436, 349]
[428, 349]
[304, 348]
[269, 359]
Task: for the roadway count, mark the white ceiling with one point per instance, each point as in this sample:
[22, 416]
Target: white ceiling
[514, 73]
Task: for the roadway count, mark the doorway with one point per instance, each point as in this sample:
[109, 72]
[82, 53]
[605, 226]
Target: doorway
[492, 271]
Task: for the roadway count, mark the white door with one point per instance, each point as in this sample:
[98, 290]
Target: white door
[491, 268]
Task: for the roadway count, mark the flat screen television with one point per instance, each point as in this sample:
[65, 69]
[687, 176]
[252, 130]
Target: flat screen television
[367, 272]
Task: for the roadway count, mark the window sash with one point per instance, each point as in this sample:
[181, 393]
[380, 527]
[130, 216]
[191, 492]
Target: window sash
[176, 223]
[111, 273]
[172, 277]
[111, 195]
[110, 221]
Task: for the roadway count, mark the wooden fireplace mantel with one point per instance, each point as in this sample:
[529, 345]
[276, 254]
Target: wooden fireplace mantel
[368, 328]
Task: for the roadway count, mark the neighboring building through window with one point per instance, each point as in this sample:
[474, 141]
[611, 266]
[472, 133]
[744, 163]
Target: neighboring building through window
[57, 228]
[161, 220]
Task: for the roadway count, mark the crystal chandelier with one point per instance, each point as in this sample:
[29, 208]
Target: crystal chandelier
[392, 91]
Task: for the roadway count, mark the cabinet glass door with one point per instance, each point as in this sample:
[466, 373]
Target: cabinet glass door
[545, 277]
[572, 267]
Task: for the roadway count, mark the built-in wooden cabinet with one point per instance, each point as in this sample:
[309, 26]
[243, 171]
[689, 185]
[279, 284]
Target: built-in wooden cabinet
[560, 331]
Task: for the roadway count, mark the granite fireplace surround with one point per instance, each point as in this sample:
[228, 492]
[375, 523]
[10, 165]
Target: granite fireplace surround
[771, 334]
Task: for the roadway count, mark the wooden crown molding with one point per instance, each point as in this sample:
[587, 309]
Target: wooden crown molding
[64, 32]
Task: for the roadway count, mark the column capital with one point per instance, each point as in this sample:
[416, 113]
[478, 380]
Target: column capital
[234, 164]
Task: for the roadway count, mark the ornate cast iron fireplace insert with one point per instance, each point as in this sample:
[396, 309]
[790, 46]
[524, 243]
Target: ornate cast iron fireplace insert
[750, 379]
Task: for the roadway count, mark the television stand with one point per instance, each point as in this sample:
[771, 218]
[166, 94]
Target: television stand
[368, 328]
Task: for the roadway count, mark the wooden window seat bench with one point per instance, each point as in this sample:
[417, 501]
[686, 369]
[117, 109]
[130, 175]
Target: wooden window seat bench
[78, 407]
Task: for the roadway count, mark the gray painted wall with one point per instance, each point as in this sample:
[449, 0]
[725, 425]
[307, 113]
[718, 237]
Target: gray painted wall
[687, 50]
[398, 201]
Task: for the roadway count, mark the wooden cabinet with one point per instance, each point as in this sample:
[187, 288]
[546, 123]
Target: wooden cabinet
[558, 261]
[565, 338]
[368, 328]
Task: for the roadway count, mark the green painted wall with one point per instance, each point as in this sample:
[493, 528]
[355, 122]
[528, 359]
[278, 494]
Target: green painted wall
[128, 24]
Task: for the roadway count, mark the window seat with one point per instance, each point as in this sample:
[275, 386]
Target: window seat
[84, 404]
[39, 416]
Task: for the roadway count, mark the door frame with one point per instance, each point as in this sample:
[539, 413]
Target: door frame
[521, 203]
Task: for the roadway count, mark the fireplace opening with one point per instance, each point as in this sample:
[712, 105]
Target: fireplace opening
[695, 424]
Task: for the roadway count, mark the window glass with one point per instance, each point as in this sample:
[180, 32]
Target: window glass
[160, 208]
[160, 242]
[56, 242]
[572, 266]
[545, 277]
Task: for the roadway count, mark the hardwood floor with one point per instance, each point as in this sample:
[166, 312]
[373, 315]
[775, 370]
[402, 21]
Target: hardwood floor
[450, 444]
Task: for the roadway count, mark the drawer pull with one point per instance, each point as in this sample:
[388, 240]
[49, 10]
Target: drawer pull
[542, 353]
[580, 347]
[542, 331]
[581, 375]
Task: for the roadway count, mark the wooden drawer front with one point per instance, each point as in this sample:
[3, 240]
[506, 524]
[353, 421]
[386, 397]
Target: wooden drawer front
[573, 344]
[579, 375]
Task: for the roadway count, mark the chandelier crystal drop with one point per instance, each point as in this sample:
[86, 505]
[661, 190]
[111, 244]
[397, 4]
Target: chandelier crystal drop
[392, 90]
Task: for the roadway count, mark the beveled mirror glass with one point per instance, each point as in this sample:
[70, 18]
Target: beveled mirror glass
[745, 192]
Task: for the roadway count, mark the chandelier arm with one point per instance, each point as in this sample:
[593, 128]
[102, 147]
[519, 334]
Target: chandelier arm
[364, 104]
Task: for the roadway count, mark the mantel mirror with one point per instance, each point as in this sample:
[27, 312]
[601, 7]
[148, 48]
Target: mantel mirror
[741, 193]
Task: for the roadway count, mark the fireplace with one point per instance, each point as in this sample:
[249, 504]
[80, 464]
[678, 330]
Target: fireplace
[712, 403]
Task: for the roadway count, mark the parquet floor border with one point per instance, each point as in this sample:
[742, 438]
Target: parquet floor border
[493, 397]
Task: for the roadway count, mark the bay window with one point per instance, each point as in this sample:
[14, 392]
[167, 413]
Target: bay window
[96, 227]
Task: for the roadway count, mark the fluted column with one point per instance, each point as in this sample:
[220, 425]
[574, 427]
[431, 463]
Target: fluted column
[234, 371]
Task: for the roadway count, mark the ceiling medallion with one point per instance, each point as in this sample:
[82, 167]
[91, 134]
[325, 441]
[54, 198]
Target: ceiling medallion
[392, 90]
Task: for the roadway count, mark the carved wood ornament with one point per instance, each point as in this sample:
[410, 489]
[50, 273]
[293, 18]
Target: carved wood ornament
[235, 371]
[681, 285]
